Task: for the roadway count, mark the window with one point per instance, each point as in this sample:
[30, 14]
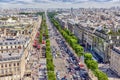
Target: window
[17, 64]
[18, 42]
[5, 43]
[2, 51]
[14, 42]
[9, 65]
[5, 65]
[1, 65]
[14, 64]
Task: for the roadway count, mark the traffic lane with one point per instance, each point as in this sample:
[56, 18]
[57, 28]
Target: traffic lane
[54, 43]
[59, 43]
[67, 49]
[60, 64]
[73, 60]
[42, 73]
[69, 69]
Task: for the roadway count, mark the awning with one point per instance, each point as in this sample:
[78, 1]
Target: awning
[43, 42]
[34, 45]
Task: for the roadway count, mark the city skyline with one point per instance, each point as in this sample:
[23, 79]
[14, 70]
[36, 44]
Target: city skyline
[67, 40]
[62, 3]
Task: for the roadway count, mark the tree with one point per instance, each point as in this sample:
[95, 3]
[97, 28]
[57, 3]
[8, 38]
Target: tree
[48, 48]
[68, 32]
[78, 48]
[100, 75]
[91, 64]
[73, 41]
[79, 54]
[119, 30]
[88, 56]
[47, 43]
[40, 39]
[74, 37]
[51, 75]
[50, 66]
[48, 55]
[110, 32]
[47, 40]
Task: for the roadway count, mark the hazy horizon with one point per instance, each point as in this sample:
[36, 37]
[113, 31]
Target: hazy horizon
[58, 3]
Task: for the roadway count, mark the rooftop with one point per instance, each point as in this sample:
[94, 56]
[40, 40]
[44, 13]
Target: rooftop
[11, 55]
[13, 40]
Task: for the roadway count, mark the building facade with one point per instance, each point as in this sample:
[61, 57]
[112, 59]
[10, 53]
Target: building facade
[97, 41]
[12, 59]
[114, 60]
[15, 44]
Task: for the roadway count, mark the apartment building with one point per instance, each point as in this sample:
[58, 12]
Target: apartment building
[97, 41]
[98, 30]
[114, 60]
[92, 29]
[15, 37]
[71, 25]
[12, 57]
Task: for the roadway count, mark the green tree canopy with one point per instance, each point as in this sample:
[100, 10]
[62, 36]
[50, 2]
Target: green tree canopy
[88, 56]
[91, 64]
[100, 75]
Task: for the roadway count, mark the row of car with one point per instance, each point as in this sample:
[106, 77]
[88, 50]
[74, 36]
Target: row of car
[74, 67]
[66, 52]
[42, 74]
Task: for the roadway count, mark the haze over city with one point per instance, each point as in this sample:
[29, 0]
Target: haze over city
[58, 3]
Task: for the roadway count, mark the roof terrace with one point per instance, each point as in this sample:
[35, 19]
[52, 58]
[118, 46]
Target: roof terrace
[14, 40]
[11, 55]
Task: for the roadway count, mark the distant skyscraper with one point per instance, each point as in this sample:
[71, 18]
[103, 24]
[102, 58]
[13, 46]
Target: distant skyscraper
[73, 15]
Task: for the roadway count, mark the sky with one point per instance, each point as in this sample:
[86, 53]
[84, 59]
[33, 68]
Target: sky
[58, 3]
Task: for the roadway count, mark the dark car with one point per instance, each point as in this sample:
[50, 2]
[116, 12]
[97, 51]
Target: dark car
[77, 68]
[68, 60]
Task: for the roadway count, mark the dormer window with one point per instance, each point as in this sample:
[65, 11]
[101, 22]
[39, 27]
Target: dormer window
[14, 42]
[6, 43]
[18, 42]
